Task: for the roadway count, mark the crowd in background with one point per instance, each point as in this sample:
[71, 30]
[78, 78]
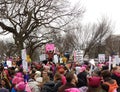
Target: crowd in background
[56, 77]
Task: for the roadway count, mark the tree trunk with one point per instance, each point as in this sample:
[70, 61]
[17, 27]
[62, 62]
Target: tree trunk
[20, 45]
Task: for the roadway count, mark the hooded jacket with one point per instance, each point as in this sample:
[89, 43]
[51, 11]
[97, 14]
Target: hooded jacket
[111, 86]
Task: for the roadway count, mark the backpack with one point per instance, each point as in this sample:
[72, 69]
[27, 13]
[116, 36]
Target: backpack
[48, 87]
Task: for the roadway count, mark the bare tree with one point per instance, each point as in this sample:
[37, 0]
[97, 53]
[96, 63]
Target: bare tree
[7, 49]
[66, 43]
[91, 38]
[99, 34]
[112, 44]
[23, 18]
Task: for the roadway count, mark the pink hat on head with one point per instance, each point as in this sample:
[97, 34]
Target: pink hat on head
[21, 66]
[84, 66]
[19, 74]
[100, 65]
[20, 80]
[94, 81]
[72, 90]
[82, 69]
[16, 80]
[47, 67]
[20, 86]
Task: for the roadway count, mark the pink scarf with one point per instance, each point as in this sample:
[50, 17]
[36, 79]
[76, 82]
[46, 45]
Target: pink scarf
[117, 74]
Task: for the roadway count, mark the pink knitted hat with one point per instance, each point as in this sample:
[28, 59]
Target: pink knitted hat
[82, 69]
[94, 81]
[21, 86]
[100, 65]
[17, 80]
[19, 74]
[72, 90]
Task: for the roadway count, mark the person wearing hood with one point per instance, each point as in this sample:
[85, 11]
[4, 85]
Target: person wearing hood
[109, 84]
[72, 80]
[34, 84]
[2, 89]
[57, 81]
[94, 84]
[20, 87]
[116, 74]
[82, 77]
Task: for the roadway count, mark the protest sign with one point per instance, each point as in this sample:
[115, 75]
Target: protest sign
[28, 59]
[61, 60]
[110, 62]
[55, 59]
[117, 59]
[24, 57]
[92, 62]
[9, 63]
[74, 54]
[42, 57]
[101, 58]
[49, 47]
[78, 55]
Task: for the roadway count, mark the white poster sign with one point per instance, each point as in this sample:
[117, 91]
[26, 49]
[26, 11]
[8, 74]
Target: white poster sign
[92, 62]
[110, 59]
[113, 62]
[61, 60]
[74, 54]
[55, 59]
[42, 57]
[101, 57]
[79, 55]
[9, 63]
[117, 59]
[24, 57]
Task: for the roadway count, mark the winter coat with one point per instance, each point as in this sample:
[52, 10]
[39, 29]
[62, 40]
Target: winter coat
[110, 87]
[116, 77]
[57, 85]
[82, 79]
[48, 87]
[4, 90]
[33, 86]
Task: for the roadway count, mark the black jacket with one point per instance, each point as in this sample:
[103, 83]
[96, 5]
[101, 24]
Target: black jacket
[82, 79]
[57, 85]
[115, 77]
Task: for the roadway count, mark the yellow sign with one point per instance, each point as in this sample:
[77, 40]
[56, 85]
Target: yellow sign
[28, 59]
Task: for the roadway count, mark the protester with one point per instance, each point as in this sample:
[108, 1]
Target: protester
[94, 84]
[2, 89]
[34, 85]
[82, 77]
[72, 80]
[37, 74]
[61, 70]
[5, 83]
[65, 77]
[20, 87]
[58, 81]
[116, 74]
[45, 76]
[109, 84]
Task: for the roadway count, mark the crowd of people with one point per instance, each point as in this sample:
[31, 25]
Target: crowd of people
[59, 77]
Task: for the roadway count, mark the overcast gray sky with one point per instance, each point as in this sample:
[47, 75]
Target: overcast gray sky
[95, 9]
